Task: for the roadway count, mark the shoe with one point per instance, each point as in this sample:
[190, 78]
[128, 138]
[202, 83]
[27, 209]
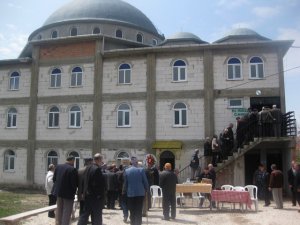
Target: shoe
[165, 218]
[125, 219]
[266, 205]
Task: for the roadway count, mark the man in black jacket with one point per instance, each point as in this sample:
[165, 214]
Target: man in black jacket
[168, 181]
[291, 180]
[65, 180]
[93, 192]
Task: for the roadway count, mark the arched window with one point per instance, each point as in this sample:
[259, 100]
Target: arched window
[54, 34]
[76, 77]
[179, 70]
[53, 120]
[55, 78]
[256, 68]
[9, 161]
[12, 118]
[77, 159]
[75, 117]
[74, 31]
[124, 115]
[14, 80]
[139, 38]
[39, 37]
[119, 33]
[96, 30]
[154, 42]
[180, 114]
[124, 74]
[122, 156]
[234, 69]
[52, 158]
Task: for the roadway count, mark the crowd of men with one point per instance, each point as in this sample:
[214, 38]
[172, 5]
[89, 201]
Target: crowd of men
[98, 186]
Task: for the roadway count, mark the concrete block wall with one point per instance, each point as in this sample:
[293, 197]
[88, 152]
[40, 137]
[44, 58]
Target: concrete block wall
[164, 72]
[111, 75]
[65, 89]
[137, 130]
[18, 176]
[165, 120]
[21, 131]
[64, 132]
[24, 82]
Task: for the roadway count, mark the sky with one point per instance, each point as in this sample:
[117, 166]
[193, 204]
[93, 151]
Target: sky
[208, 19]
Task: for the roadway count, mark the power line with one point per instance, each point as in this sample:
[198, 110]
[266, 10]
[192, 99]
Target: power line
[250, 81]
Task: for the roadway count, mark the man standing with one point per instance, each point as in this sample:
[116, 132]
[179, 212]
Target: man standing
[168, 181]
[49, 187]
[65, 179]
[297, 183]
[276, 184]
[277, 115]
[207, 152]
[194, 164]
[93, 192]
[135, 185]
[81, 172]
[291, 180]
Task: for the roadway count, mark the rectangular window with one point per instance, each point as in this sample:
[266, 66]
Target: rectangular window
[235, 103]
[234, 72]
[55, 80]
[182, 73]
[175, 74]
[177, 118]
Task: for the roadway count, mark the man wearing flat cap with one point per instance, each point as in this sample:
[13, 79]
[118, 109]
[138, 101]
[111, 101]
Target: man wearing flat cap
[168, 181]
[135, 186]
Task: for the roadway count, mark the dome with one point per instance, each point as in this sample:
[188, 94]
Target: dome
[102, 10]
[184, 35]
[184, 38]
[241, 33]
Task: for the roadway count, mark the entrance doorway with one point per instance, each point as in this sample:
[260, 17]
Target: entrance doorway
[259, 102]
[274, 158]
[166, 157]
[251, 164]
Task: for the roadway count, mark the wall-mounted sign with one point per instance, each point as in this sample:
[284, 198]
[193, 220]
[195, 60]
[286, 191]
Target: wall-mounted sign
[239, 112]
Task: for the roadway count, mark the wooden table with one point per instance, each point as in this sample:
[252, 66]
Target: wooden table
[242, 197]
[194, 188]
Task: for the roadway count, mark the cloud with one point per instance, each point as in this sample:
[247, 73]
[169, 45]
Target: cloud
[12, 45]
[229, 4]
[11, 26]
[266, 12]
[292, 57]
[12, 5]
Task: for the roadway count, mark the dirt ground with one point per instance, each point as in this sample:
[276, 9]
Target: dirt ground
[196, 216]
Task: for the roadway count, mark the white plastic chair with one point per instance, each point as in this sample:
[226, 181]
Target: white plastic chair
[226, 187]
[156, 194]
[181, 198]
[196, 196]
[239, 188]
[252, 189]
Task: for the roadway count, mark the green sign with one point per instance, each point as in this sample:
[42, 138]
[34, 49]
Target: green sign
[239, 112]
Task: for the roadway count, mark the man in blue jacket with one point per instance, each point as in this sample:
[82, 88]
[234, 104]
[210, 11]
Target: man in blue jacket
[65, 185]
[135, 185]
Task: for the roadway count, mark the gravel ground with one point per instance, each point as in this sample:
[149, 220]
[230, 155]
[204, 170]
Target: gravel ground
[195, 216]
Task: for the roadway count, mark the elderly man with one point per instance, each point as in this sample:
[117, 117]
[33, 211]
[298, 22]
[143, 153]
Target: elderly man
[291, 180]
[136, 186]
[276, 184]
[168, 181]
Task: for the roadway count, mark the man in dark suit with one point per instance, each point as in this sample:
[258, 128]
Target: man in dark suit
[65, 180]
[168, 181]
[276, 184]
[93, 192]
[291, 180]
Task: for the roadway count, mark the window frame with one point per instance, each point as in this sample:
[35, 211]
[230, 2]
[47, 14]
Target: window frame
[124, 113]
[77, 159]
[229, 106]
[120, 32]
[51, 159]
[154, 42]
[11, 118]
[55, 76]
[72, 30]
[122, 72]
[54, 116]
[179, 71]
[78, 76]
[234, 67]
[54, 32]
[180, 115]
[75, 114]
[141, 36]
[8, 158]
[14, 81]
[256, 65]
[93, 32]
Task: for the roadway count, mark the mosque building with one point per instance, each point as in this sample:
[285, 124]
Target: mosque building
[98, 76]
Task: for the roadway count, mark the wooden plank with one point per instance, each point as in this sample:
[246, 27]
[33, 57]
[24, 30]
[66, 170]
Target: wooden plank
[193, 188]
[14, 219]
